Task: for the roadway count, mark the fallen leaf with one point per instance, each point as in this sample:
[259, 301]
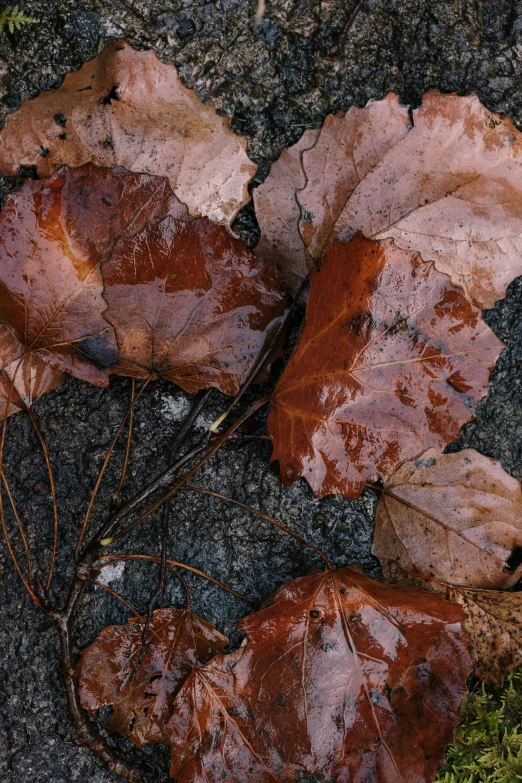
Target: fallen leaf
[278, 213]
[453, 517]
[213, 736]
[392, 360]
[336, 677]
[54, 234]
[24, 381]
[141, 692]
[126, 108]
[190, 303]
[448, 186]
[494, 624]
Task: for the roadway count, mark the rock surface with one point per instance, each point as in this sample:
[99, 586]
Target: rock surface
[274, 77]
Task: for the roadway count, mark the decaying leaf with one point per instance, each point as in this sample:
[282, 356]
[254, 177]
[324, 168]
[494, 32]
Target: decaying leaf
[54, 234]
[336, 677]
[126, 108]
[454, 517]
[213, 733]
[190, 303]
[392, 359]
[278, 213]
[494, 624]
[141, 692]
[449, 187]
[24, 381]
[102, 271]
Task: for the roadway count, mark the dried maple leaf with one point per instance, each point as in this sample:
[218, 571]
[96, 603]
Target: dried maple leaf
[494, 624]
[392, 359]
[24, 381]
[454, 517]
[54, 234]
[335, 678]
[141, 692]
[448, 186]
[190, 303]
[126, 108]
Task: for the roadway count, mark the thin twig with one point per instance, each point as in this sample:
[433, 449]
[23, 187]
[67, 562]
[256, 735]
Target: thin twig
[219, 442]
[116, 595]
[104, 466]
[47, 457]
[128, 446]
[185, 586]
[260, 514]
[354, 13]
[19, 526]
[13, 557]
[109, 559]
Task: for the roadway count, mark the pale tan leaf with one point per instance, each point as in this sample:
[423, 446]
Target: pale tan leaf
[126, 108]
[279, 213]
[453, 517]
[24, 381]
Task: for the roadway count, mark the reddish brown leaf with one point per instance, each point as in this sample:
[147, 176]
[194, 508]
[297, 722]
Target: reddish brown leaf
[126, 108]
[32, 379]
[336, 677]
[190, 303]
[142, 692]
[53, 236]
[449, 187]
[494, 624]
[213, 735]
[392, 359]
[454, 517]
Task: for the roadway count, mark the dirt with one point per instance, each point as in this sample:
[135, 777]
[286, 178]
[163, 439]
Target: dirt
[274, 77]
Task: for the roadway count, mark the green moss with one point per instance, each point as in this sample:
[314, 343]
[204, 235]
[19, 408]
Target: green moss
[13, 17]
[488, 742]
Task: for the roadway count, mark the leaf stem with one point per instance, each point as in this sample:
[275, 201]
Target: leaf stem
[260, 514]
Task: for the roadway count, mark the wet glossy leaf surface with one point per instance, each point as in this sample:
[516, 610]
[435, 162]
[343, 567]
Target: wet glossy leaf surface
[141, 692]
[494, 624]
[32, 378]
[190, 303]
[449, 187]
[102, 271]
[454, 517]
[126, 108]
[54, 234]
[336, 677]
[392, 359]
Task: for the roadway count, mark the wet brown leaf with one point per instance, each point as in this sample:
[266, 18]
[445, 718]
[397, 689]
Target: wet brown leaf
[392, 360]
[449, 187]
[54, 234]
[278, 213]
[335, 678]
[494, 624]
[126, 108]
[141, 693]
[454, 517]
[213, 734]
[32, 379]
[190, 303]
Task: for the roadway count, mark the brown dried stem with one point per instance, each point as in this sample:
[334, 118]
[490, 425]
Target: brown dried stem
[129, 444]
[47, 457]
[109, 559]
[116, 595]
[260, 514]
[104, 465]
[213, 449]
